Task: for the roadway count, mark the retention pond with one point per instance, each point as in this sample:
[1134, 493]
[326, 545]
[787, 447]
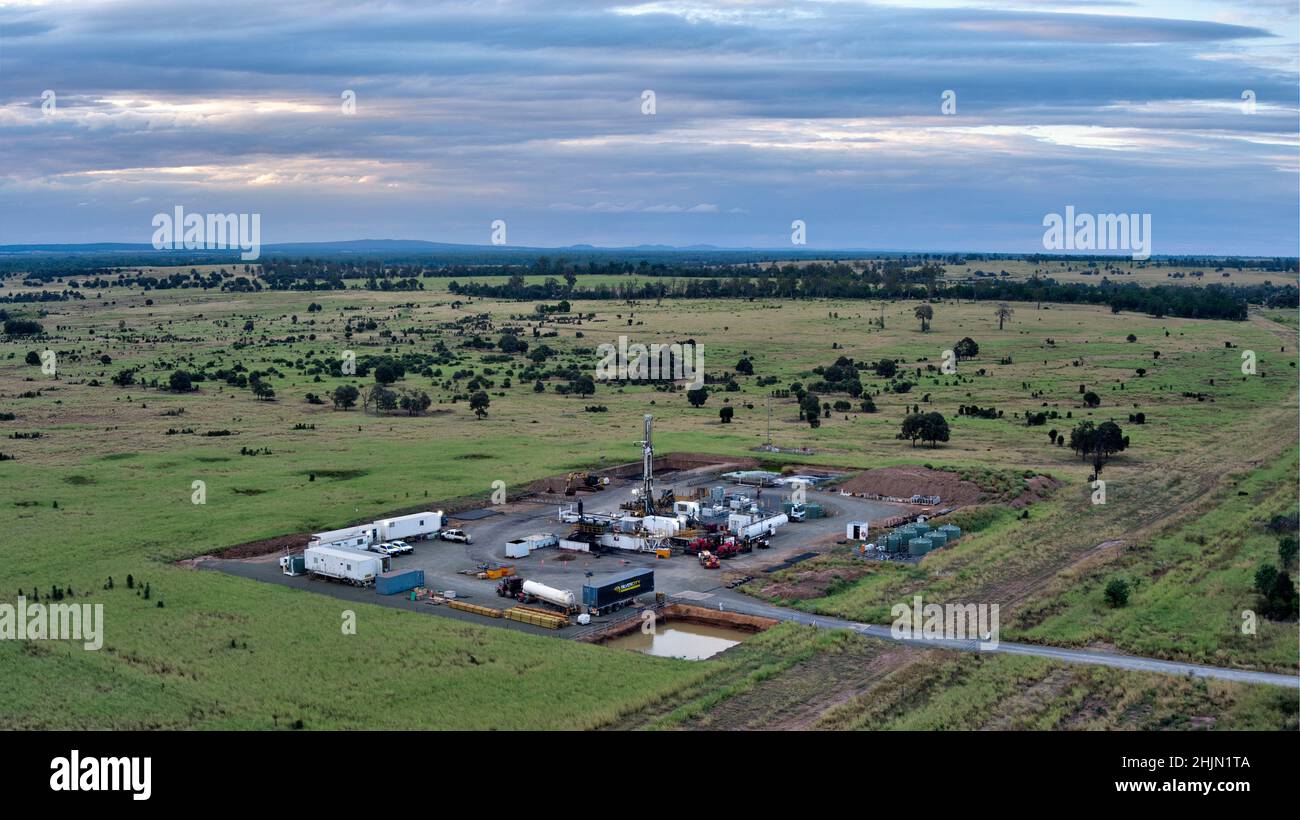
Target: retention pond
[680, 631]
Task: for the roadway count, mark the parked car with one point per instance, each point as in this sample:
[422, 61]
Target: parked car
[402, 547]
[455, 535]
[383, 549]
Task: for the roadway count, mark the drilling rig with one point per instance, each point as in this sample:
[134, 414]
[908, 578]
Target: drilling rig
[647, 469]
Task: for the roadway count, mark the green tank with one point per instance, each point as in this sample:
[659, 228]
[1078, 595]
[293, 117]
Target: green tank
[918, 546]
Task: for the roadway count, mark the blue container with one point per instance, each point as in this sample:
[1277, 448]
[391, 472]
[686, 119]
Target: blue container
[392, 583]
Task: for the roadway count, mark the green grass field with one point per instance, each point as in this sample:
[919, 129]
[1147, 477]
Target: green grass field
[106, 491]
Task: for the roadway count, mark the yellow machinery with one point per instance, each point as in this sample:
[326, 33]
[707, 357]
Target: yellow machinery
[582, 481]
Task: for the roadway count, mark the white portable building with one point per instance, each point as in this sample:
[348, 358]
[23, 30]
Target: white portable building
[348, 538]
[415, 526]
[344, 565]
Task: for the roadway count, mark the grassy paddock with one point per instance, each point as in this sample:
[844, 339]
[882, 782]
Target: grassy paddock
[107, 491]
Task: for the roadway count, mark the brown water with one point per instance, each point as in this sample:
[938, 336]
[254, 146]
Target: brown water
[690, 641]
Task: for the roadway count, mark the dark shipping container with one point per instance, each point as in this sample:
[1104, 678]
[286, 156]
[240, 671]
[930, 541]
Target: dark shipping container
[617, 588]
[391, 583]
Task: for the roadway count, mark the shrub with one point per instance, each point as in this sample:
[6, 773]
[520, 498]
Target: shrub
[1117, 592]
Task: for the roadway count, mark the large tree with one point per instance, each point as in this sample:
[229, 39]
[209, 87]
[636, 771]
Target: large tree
[966, 348]
[925, 313]
[1003, 312]
[345, 396]
[934, 428]
[479, 403]
[913, 426]
[810, 407]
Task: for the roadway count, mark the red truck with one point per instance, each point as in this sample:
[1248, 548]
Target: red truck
[701, 544]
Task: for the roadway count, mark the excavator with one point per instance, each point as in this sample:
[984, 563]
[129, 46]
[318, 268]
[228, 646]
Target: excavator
[582, 481]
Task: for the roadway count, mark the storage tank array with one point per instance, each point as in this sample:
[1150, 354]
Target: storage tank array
[919, 538]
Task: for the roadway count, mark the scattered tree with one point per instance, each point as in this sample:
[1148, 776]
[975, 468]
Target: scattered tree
[479, 403]
[344, 397]
[966, 348]
[925, 313]
[1003, 312]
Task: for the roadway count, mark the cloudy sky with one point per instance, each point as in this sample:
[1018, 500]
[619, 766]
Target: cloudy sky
[765, 112]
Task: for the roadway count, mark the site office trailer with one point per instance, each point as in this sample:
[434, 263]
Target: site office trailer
[416, 526]
[618, 589]
[360, 568]
[351, 538]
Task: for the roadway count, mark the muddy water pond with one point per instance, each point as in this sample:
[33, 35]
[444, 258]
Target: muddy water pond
[681, 639]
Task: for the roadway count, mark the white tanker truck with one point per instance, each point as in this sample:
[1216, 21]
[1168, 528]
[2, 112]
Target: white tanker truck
[529, 591]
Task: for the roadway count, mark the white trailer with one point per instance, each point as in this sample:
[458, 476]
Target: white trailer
[416, 526]
[356, 538]
[359, 568]
[758, 527]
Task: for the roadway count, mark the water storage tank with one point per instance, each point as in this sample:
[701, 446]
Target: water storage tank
[920, 529]
[937, 539]
[560, 597]
[918, 546]
[951, 530]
